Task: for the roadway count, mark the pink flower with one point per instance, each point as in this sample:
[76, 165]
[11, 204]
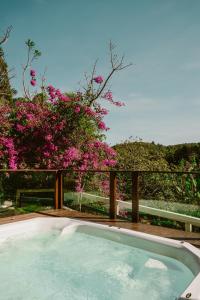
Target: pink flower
[118, 103]
[89, 111]
[79, 189]
[8, 142]
[46, 153]
[108, 95]
[52, 95]
[32, 73]
[48, 137]
[20, 127]
[33, 82]
[50, 88]
[86, 155]
[60, 126]
[98, 144]
[111, 151]
[64, 98]
[98, 79]
[12, 163]
[30, 116]
[102, 126]
[109, 162]
[103, 111]
[77, 109]
[58, 93]
[71, 154]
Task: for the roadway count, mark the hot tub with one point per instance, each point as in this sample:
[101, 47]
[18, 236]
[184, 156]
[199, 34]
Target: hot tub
[61, 258]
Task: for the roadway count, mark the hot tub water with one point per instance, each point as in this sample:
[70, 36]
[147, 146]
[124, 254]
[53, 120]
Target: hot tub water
[72, 265]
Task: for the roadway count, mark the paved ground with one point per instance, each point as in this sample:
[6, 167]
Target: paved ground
[190, 237]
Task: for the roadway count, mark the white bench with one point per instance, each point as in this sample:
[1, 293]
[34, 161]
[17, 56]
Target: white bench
[189, 221]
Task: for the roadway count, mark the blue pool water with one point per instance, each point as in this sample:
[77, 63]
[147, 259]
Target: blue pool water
[81, 266]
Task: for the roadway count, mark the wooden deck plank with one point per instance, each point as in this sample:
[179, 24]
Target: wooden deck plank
[190, 237]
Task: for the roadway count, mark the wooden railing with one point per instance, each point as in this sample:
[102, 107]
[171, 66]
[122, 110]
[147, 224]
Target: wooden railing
[59, 192]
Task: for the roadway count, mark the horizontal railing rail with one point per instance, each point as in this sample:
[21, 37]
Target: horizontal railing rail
[101, 171]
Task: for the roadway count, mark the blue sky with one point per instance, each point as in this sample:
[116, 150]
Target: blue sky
[161, 37]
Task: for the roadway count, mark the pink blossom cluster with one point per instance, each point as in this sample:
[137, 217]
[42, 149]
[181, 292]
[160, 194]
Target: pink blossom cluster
[8, 156]
[79, 187]
[98, 79]
[102, 111]
[109, 162]
[9, 151]
[94, 155]
[89, 111]
[109, 96]
[77, 109]
[55, 95]
[71, 155]
[102, 126]
[33, 78]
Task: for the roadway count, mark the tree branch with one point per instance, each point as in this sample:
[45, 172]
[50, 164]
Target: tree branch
[116, 65]
[4, 39]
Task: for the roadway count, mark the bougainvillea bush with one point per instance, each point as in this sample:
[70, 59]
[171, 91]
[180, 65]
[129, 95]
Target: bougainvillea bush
[51, 129]
[59, 134]
[53, 134]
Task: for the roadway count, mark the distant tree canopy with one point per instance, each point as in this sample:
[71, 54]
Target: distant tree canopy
[188, 152]
[150, 156]
[6, 92]
[5, 89]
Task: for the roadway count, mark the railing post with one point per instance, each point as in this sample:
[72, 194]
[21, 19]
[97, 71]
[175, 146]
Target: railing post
[20, 201]
[58, 199]
[188, 227]
[113, 181]
[135, 197]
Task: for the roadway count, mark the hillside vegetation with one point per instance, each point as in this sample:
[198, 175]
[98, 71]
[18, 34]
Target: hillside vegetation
[151, 156]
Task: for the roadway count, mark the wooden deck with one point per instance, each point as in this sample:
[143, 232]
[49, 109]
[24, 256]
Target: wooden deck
[190, 237]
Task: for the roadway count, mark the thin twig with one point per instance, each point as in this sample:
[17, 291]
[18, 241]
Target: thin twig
[23, 74]
[4, 39]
